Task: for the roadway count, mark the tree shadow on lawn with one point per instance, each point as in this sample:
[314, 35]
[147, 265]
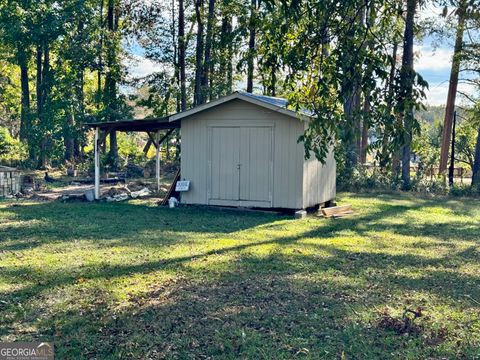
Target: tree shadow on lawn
[310, 238]
[43, 223]
[265, 306]
[158, 220]
[272, 306]
[282, 303]
[58, 222]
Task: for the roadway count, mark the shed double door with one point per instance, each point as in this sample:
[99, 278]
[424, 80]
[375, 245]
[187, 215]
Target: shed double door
[241, 166]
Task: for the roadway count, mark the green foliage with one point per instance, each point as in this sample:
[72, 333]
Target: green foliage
[334, 52]
[60, 45]
[129, 146]
[9, 92]
[465, 140]
[426, 145]
[323, 55]
[5, 141]
[12, 151]
[362, 178]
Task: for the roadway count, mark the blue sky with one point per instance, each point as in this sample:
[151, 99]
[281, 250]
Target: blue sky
[434, 65]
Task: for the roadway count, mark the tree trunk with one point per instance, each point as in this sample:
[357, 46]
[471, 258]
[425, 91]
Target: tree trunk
[385, 153]
[364, 143]
[175, 63]
[352, 102]
[113, 154]
[81, 113]
[46, 74]
[476, 165]
[251, 45]
[208, 50]
[230, 57]
[25, 99]
[110, 92]
[39, 80]
[452, 88]
[44, 95]
[181, 55]
[198, 93]
[351, 109]
[406, 80]
[273, 78]
[69, 141]
[100, 57]
[226, 67]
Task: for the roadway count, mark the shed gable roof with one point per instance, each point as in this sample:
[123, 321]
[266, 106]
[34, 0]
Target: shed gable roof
[272, 103]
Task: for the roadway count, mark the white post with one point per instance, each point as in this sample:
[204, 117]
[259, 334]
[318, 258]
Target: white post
[157, 158]
[97, 165]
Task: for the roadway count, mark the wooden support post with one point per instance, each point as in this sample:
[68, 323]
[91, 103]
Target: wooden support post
[147, 146]
[157, 158]
[97, 165]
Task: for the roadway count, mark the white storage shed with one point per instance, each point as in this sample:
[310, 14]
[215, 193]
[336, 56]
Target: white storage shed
[243, 150]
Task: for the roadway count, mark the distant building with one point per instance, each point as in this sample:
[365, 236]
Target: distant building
[9, 181]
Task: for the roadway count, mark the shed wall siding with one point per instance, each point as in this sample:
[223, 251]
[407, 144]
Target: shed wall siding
[287, 153]
[319, 180]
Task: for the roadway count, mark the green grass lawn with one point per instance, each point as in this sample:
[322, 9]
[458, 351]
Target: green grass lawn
[134, 281]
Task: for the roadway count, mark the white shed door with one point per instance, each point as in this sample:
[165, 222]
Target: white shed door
[225, 159]
[241, 166]
[255, 164]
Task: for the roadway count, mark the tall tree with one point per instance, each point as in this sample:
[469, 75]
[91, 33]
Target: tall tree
[364, 136]
[407, 78]
[476, 165]
[351, 89]
[110, 92]
[199, 53]
[207, 64]
[100, 53]
[453, 84]
[16, 36]
[252, 28]
[25, 124]
[181, 55]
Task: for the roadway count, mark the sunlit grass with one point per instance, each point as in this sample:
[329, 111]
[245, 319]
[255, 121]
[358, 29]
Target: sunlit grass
[131, 280]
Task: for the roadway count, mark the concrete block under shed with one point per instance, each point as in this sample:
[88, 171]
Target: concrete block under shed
[300, 214]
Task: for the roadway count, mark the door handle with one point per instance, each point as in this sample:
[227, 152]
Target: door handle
[238, 166]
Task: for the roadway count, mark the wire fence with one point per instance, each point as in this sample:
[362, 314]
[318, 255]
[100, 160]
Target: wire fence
[460, 174]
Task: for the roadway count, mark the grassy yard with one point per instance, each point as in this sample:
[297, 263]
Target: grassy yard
[134, 281]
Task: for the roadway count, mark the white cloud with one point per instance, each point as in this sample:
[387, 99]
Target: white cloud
[139, 66]
[432, 59]
[437, 94]
[431, 11]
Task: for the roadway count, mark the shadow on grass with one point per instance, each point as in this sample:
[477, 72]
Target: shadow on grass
[279, 305]
[274, 306]
[42, 223]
